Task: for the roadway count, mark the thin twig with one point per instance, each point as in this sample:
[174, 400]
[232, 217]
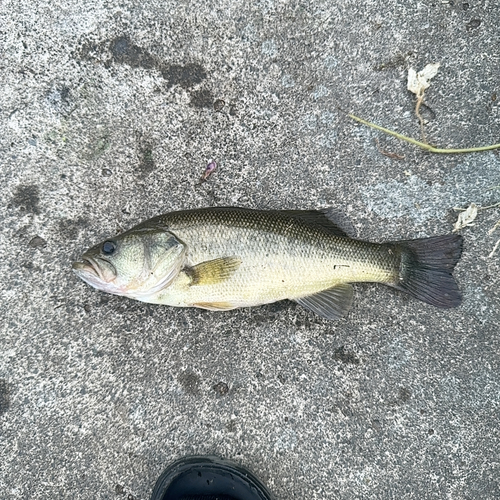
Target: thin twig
[491, 206]
[393, 156]
[494, 227]
[420, 100]
[422, 145]
[494, 249]
[460, 209]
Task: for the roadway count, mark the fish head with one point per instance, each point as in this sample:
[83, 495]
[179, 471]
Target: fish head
[135, 264]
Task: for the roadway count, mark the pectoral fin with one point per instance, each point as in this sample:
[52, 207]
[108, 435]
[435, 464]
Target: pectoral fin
[214, 271]
[333, 303]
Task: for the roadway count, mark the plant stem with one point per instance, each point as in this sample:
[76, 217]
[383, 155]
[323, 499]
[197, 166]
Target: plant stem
[422, 145]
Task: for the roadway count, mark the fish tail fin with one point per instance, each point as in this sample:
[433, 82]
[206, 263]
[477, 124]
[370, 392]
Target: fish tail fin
[426, 267]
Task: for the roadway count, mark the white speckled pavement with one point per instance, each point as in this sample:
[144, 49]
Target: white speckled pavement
[110, 113]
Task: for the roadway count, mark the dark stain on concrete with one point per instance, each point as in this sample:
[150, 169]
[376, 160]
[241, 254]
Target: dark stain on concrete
[231, 426]
[121, 50]
[37, 242]
[4, 396]
[26, 198]
[59, 99]
[126, 52]
[190, 382]
[146, 161]
[473, 24]
[404, 394]
[70, 229]
[186, 76]
[340, 354]
[202, 98]
[399, 61]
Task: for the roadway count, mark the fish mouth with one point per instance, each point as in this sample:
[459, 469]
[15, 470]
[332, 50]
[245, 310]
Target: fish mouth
[89, 270]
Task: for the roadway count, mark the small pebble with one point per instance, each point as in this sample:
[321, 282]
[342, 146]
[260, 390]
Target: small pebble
[221, 388]
[219, 104]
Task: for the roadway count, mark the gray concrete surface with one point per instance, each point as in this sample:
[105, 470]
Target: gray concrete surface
[107, 118]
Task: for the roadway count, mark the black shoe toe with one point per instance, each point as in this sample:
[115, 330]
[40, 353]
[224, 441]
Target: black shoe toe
[208, 478]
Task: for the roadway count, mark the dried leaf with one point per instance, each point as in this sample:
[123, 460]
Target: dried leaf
[419, 82]
[466, 217]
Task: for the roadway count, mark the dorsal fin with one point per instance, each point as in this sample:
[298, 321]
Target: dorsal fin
[332, 220]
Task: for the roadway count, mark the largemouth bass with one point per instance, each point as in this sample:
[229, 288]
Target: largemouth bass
[224, 258]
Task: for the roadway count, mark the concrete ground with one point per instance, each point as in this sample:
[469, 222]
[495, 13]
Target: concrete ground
[110, 112]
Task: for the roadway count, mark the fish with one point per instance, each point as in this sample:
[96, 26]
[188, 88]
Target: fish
[225, 258]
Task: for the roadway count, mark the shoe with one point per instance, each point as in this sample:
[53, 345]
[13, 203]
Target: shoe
[208, 478]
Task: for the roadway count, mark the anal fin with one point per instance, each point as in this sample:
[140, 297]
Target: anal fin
[214, 306]
[333, 303]
[214, 271]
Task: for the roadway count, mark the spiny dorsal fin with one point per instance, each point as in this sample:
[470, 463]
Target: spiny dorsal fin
[332, 220]
[213, 271]
[333, 303]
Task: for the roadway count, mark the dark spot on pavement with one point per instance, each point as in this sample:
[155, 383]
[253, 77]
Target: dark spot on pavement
[119, 489]
[37, 242]
[231, 426]
[221, 388]
[27, 198]
[473, 24]
[185, 76]
[340, 354]
[58, 98]
[64, 92]
[146, 161]
[396, 62]
[190, 382]
[70, 229]
[122, 50]
[125, 52]
[202, 98]
[404, 394]
[4, 396]
[146, 164]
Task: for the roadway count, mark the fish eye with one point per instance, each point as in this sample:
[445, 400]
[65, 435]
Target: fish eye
[109, 247]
